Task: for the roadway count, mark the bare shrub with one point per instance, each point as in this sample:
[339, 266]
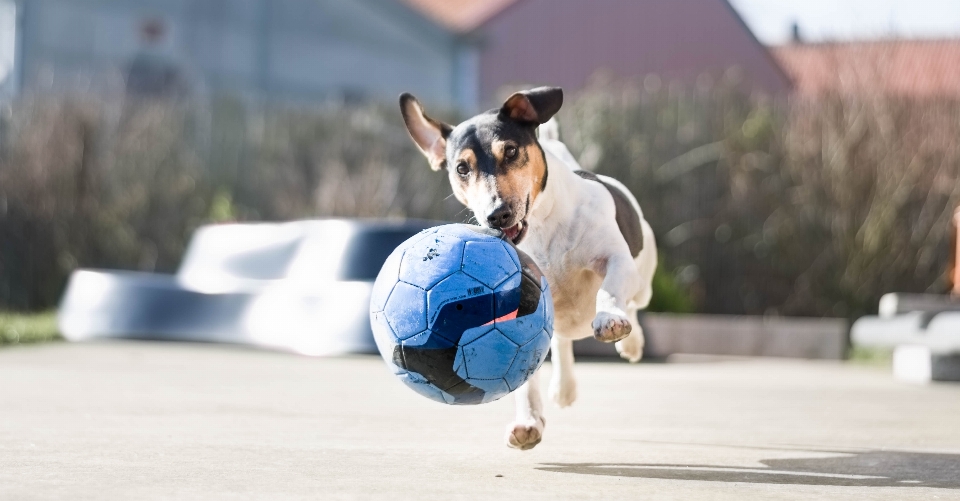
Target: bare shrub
[78, 188]
[809, 207]
[356, 162]
[113, 184]
[873, 182]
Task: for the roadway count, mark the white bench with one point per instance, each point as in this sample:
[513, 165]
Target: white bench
[289, 286]
[924, 332]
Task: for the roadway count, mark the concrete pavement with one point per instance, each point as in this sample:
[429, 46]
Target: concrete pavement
[137, 420]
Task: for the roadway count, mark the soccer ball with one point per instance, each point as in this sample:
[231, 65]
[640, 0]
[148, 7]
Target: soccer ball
[460, 315]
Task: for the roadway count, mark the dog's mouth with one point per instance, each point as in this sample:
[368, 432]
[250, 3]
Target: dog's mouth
[516, 232]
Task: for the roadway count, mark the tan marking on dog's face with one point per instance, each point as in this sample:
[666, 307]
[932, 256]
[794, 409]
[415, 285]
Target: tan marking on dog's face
[497, 169]
[520, 177]
[464, 186]
[514, 175]
[536, 169]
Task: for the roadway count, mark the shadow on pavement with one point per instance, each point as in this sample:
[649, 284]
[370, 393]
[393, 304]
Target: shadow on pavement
[865, 469]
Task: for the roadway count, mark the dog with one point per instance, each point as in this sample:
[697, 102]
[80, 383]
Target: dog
[585, 231]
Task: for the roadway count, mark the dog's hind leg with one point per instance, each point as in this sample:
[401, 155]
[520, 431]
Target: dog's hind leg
[631, 347]
[527, 430]
[563, 385]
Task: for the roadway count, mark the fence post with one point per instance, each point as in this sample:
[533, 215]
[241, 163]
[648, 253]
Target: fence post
[956, 253]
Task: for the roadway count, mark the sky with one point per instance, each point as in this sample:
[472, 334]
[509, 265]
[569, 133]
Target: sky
[835, 20]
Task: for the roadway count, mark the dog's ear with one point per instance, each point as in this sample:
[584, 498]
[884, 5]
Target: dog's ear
[429, 134]
[535, 106]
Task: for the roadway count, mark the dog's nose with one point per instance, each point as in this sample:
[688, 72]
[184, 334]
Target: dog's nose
[500, 217]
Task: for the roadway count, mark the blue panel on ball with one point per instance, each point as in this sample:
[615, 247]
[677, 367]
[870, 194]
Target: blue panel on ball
[488, 262]
[459, 366]
[412, 241]
[457, 304]
[406, 310]
[490, 356]
[380, 326]
[386, 279]
[386, 343]
[524, 329]
[427, 356]
[520, 329]
[469, 233]
[512, 252]
[430, 260]
[529, 359]
[508, 296]
[423, 387]
[493, 389]
[490, 385]
[471, 335]
[464, 394]
[427, 340]
[541, 344]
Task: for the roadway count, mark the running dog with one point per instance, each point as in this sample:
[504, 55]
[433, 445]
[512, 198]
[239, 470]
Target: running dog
[586, 232]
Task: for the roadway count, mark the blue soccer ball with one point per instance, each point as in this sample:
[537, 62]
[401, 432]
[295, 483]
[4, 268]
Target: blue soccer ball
[460, 315]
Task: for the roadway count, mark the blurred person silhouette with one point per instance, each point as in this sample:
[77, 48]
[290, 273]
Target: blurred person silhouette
[152, 73]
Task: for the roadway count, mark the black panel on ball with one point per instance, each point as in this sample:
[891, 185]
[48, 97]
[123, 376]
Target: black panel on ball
[529, 296]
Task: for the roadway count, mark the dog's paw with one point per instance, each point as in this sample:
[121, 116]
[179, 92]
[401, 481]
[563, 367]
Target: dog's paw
[563, 392]
[608, 327]
[525, 435]
[631, 347]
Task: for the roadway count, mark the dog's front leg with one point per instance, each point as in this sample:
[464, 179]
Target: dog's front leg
[621, 282]
[563, 385]
[527, 430]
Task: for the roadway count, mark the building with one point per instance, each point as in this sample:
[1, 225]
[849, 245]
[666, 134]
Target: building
[450, 53]
[909, 68]
[565, 42]
[288, 50]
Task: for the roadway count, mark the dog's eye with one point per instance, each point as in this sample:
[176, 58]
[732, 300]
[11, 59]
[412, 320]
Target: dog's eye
[463, 169]
[510, 152]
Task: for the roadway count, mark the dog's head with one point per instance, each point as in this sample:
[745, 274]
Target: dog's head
[495, 164]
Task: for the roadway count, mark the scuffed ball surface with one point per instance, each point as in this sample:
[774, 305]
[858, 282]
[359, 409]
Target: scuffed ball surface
[460, 315]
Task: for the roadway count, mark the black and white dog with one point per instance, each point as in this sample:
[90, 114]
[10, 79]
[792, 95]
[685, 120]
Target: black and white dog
[586, 232]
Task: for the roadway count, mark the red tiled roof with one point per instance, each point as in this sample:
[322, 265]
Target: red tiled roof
[915, 68]
[460, 15]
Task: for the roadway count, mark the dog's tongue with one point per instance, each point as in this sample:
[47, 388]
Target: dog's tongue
[512, 231]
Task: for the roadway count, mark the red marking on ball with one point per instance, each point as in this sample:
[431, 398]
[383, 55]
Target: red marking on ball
[508, 316]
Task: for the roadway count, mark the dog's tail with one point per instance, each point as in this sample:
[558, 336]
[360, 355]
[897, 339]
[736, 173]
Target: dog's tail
[549, 130]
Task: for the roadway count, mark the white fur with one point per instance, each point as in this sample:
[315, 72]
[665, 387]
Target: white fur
[597, 285]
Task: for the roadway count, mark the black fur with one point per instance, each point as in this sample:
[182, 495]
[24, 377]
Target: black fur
[627, 218]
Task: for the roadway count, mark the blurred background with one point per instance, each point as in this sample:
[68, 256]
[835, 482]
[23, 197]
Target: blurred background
[795, 158]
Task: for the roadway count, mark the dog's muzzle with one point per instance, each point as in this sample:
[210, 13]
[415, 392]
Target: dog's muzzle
[516, 232]
[513, 225]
